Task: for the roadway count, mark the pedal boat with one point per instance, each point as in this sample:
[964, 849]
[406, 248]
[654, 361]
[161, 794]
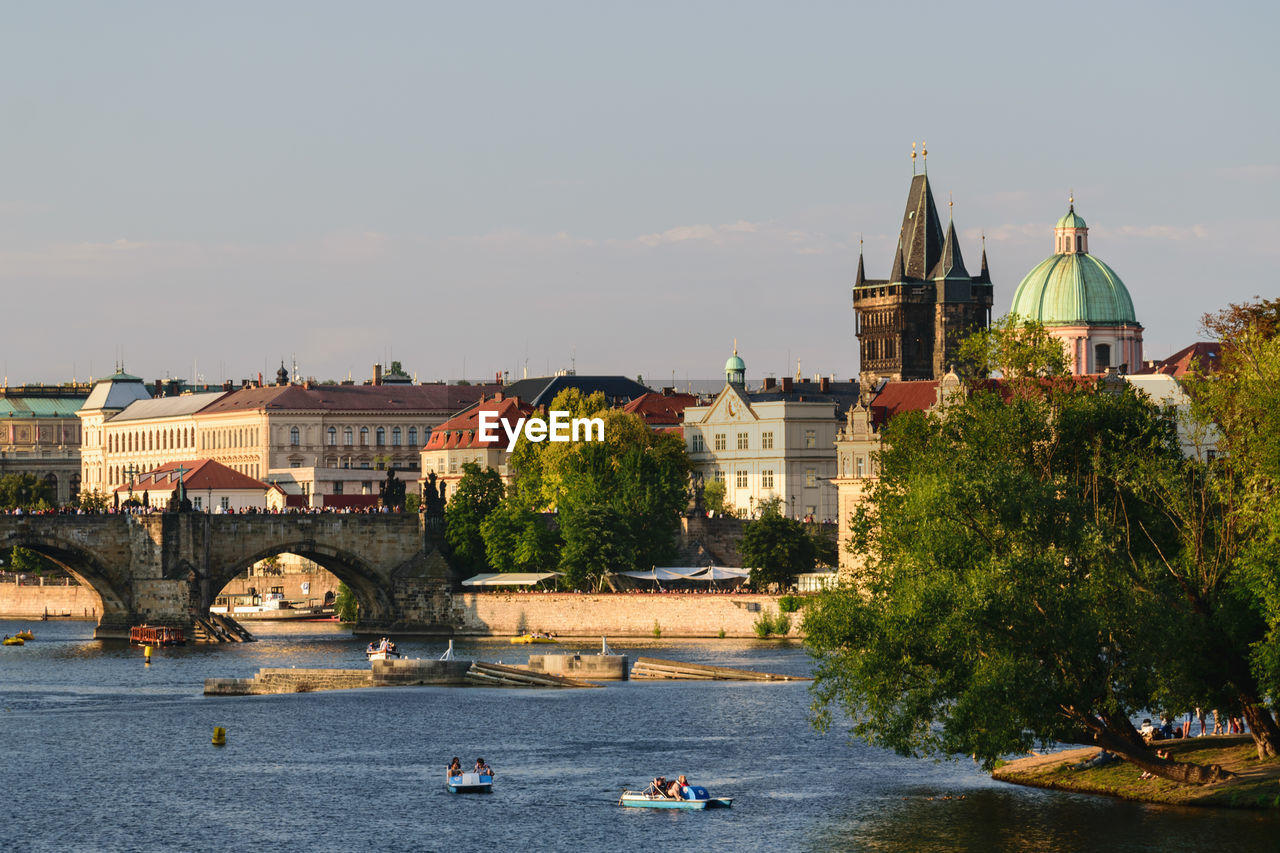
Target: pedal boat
[696, 797]
[468, 783]
[526, 639]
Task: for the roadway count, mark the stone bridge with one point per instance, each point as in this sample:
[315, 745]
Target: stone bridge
[167, 568]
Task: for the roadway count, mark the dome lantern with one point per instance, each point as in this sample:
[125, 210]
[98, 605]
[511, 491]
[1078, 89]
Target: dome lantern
[735, 369]
[1071, 234]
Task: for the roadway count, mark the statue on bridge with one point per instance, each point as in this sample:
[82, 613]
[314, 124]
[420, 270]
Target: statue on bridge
[391, 492]
[433, 497]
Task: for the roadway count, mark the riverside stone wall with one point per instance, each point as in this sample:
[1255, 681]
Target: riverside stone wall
[615, 614]
[23, 601]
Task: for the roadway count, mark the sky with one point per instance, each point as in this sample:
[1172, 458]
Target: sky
[205, 190]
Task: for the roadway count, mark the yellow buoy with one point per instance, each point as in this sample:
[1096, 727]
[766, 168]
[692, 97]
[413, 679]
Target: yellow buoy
[146, 651]
[219, 736]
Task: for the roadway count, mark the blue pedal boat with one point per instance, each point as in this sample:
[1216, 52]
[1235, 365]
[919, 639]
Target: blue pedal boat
[695, 797]
[469, 783]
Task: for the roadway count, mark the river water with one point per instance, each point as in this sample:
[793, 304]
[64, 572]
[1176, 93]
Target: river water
[100, 752]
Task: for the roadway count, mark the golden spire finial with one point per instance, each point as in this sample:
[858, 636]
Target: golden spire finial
[924, 149]
[1071, 199]
[951, 205]
[735, 346]
[913, 153]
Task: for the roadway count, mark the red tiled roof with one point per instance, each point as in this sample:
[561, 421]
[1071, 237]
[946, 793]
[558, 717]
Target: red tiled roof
[350, 501]
[660, 409]
[1208, 354]
[432, 399]
[198, 474]
[903, 396]
[464, 430]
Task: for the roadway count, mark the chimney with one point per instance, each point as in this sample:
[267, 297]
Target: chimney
[226, 386]
[786, 383]
[497, 398]
[377, 374]
[770, 383]
[667, 391]
[824, 385]
[159, 386]
[309, 384]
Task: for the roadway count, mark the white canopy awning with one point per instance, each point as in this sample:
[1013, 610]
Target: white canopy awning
[689, 573]
[509, 579]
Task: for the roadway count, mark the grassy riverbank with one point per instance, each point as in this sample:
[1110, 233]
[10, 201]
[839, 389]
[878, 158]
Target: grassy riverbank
[1256, 784]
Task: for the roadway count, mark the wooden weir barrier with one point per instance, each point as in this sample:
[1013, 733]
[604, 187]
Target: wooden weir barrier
[658, 669]
[498, 675]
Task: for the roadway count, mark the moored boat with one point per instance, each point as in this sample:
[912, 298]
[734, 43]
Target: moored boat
[468, 783]
[156, 635]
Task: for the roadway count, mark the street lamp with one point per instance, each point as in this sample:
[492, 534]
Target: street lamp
[793, 507]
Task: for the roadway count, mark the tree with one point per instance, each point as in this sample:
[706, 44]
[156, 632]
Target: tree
[345, 605]
[713, 497]
[478, 493]
[1012, 590]
[26, 491]
[1016, 348]
[639, 476]
[776, 548]
[26, 561]
[92, 501]
[517, 540]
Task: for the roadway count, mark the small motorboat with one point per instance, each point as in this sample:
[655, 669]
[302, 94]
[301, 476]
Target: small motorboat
[383, 650]
[535, 637]
[25, 635]
[468, 783]
[14, 641]
[694, 797]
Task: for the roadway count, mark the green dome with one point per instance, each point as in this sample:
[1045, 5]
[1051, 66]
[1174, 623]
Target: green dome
[1071, 220]
[1074, 289]
[735, 364]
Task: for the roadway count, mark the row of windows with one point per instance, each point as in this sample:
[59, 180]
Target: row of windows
[349, 434]
[163, 439]
[744, 441]
[742, 478]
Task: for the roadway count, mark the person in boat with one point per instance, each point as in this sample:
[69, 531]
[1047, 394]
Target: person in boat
[676, 790]
[482, 768]
[455, 767]
[659, 785]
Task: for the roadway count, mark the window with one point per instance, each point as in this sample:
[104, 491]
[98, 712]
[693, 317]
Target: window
[364, 436]
[381, 436]
[741, 481]
[810, 439]
[718, 476]
[364, 464]
[197, 503]
[742, 441]
[766, 478]
[295, 437]
[333, 436]
[337, 487]
[395, 437]
[413, 436]
[225, 503]
[1101, 357]
[346, 436]
[294, 465]
[862, 467]
[810, 512]
[810, 478]
[698, 444]
[766, 440]
[720, 442]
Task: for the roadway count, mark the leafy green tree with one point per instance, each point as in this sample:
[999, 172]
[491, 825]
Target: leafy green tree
[30, 562]
[713, 497]
[1012, 590]
[776, 548]
[92, 501]
[597, 540]
[478, 493]
[26, 491]
[517, 540]
[345, 605]
[1016, 348]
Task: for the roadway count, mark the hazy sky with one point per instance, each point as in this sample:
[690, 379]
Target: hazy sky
[219, 186]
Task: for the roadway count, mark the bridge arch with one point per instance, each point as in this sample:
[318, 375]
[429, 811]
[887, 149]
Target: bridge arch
[365, 582]
[81, 564]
